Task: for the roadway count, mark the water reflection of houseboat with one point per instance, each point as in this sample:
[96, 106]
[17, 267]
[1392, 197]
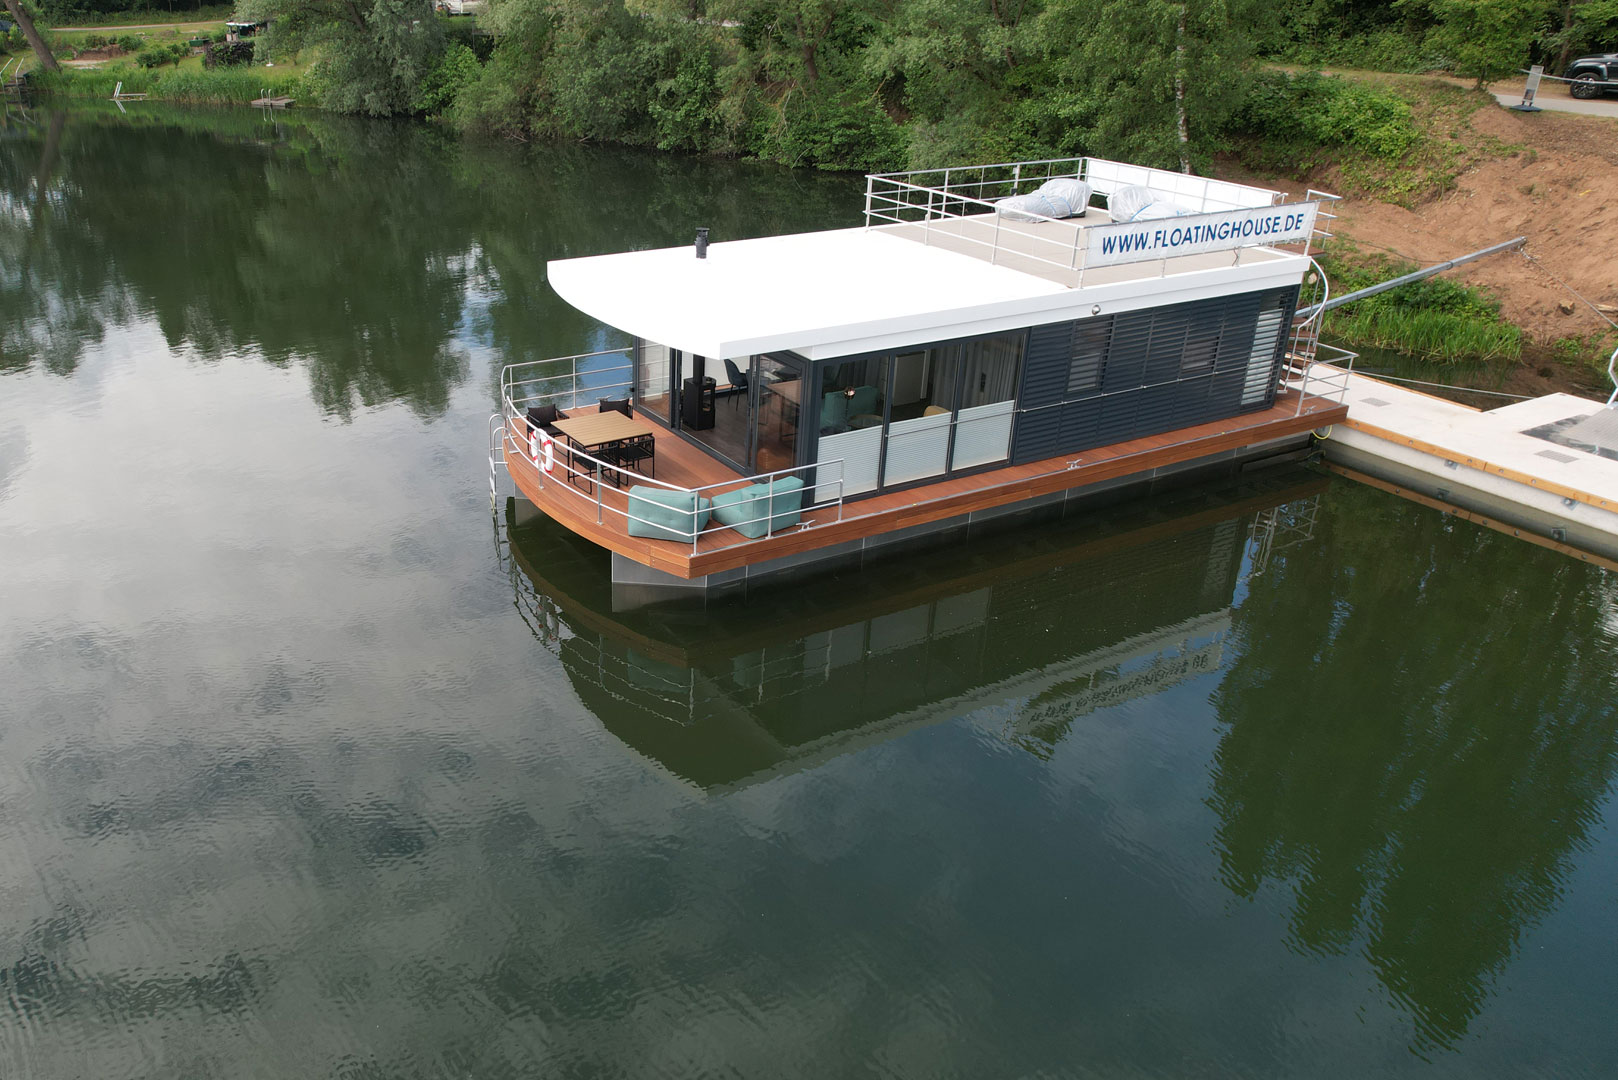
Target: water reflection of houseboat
[802, 398]
[737, 689]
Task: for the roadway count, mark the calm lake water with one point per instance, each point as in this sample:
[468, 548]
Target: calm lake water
[312, 767]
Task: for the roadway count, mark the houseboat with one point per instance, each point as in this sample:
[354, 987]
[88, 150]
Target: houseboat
[993, 339]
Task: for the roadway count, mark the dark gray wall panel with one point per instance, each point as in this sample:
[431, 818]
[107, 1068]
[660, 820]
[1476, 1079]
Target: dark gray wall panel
[1045, 368]
[1120, 377]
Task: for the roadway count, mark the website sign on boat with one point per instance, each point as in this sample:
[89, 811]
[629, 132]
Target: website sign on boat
[1196, 234]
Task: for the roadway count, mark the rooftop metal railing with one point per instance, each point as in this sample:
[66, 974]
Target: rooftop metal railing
[1322, 377]
[562, 467]
[962, 203]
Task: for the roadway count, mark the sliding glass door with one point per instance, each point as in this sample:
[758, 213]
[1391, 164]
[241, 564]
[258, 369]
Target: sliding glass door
[924, 413]
[990, 370]
[777, 383]
[852, 412]
[652, 368]
[923, 402]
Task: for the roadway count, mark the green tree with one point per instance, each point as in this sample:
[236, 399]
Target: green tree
[374, 54]
[1582, 25]
[1486, 39]
[952, 65]
[801, 90]
[20, 16]
[1152, 81]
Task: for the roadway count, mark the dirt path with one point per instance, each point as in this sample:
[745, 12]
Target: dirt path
[1561, 192]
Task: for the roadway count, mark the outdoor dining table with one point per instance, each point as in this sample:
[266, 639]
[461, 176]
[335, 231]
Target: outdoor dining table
[596, 433]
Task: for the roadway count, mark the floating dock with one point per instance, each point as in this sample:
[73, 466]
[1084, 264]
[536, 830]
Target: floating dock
[1547, 467]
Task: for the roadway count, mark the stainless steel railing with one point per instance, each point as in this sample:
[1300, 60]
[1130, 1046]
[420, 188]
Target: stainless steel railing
[522, 385]
[562, 380]
[960, 203]
[1325, 378]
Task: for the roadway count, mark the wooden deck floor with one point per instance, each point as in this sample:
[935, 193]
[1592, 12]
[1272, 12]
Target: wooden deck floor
[678, 462]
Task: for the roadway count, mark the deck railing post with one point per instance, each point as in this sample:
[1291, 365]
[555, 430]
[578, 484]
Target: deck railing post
[769, 508]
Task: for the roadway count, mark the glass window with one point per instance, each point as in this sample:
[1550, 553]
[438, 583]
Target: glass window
[990, 372]
[853, 395]
[714, 410]
[924, 383]
[1165, 350]
[780, 401]
[992, 368]
[1201, 348]
[1090, 340]
[853, 401]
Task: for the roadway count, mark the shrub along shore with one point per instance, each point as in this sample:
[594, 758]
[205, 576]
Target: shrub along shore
[1438, 320]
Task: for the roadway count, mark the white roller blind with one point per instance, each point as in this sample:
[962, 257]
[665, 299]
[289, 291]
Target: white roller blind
[1260, 364]
[861, 451]
[982, 435]
[917, 448]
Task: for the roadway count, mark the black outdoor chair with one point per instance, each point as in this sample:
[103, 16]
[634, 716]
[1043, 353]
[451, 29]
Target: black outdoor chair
[627, 454]
[738, 381]
[543, 417]
[630, 454]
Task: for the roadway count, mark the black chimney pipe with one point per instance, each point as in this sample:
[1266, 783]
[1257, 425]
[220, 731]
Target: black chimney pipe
[702, 243]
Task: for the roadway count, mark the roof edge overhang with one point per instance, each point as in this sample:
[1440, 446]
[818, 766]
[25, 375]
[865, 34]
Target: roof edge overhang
[1060, 304]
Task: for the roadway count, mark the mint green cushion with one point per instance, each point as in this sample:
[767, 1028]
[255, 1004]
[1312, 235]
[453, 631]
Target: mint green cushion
[863, 401]
[666, 515]
[834, 410]
[741, 507]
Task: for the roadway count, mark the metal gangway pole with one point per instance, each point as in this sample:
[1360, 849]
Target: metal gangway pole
[1406, 279]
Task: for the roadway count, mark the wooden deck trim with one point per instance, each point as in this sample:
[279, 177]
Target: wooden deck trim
[929, 503]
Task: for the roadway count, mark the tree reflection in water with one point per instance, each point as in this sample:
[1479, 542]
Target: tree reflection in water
[1426, 823]
[369, 252]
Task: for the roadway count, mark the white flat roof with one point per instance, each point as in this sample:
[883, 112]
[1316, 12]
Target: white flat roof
[846, 291]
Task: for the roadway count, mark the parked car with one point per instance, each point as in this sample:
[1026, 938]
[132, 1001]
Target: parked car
[1588, 73]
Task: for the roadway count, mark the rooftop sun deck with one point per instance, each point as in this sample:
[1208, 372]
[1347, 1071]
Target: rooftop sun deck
[938, 258]
[1028, 247]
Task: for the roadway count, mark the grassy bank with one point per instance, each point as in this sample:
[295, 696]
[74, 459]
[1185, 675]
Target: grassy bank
[1437, 320]
[188, 84]
[1397, 139]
